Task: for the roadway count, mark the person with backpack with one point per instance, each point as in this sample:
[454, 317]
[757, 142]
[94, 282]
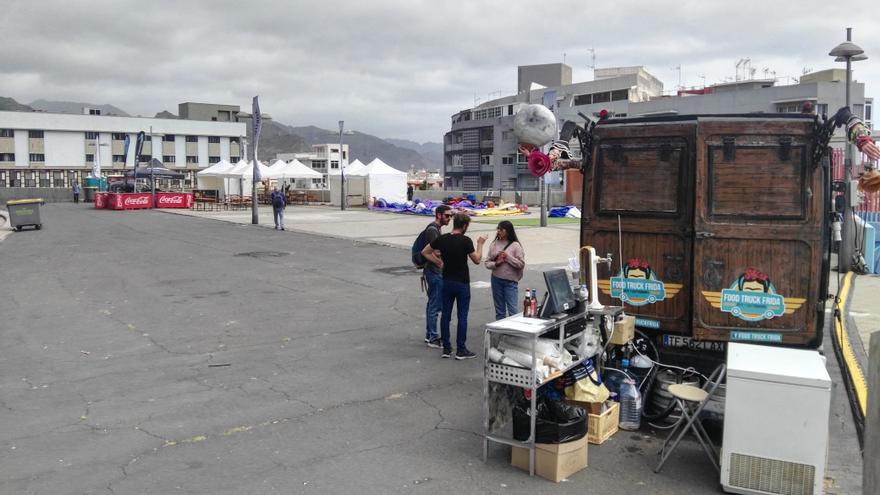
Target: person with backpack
[432, 278]
[455, 249]
[278, 204]
[506, 259]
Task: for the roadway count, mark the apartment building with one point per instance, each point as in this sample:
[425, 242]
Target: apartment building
[323, 158]
[40, 149]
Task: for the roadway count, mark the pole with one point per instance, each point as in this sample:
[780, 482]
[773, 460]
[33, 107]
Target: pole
[341, 168]
[845, 253]
[255, 217]
[152, 180]
[543, 201]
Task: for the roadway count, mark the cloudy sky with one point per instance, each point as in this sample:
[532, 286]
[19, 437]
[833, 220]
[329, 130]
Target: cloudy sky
[396, 68]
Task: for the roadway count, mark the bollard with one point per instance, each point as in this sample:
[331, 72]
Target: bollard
[871, 456]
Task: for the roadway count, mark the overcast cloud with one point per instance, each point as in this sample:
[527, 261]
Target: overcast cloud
[395, 68]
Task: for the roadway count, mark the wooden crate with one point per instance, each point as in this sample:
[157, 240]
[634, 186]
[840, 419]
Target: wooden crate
[602, 426]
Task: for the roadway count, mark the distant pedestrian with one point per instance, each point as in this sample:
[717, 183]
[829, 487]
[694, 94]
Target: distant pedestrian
[455, 249]
[506, 259]
[409, 192]
[76, 191]
[432, 275]
[278, 205]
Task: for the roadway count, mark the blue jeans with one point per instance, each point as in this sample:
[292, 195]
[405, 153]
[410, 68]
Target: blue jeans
[460, 294]
[434, 281]
[505, 295]
[279, 217]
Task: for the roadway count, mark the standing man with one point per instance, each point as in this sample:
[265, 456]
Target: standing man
[278, 205]
[76, 191]
[432, 275]
[455, 249]
[409, 192]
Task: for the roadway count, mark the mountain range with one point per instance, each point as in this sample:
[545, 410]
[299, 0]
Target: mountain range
[277, 137]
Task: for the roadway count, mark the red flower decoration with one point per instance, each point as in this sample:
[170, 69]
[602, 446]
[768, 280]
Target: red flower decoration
[753, 274]
[539, 163]
[603, 114]
[636, 263]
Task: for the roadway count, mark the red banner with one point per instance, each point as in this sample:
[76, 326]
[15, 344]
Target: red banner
[174, 200]
[129, 201]
[101, 200]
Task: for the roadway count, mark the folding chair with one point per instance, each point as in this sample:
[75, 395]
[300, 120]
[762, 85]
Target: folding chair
[691, 400]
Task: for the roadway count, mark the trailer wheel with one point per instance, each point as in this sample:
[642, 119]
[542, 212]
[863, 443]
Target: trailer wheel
[18, 228]
[39, 226]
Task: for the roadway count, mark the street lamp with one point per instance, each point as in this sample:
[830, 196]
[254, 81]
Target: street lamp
[847, 52]
[342, 132]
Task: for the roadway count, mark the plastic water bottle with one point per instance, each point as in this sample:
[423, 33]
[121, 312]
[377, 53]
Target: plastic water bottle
[630, 405]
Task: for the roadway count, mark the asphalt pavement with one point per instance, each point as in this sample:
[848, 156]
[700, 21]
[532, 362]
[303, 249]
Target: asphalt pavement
[152, 353]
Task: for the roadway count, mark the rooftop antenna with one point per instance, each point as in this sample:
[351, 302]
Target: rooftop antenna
[807, 70]
[766, 70]
[703, 77]
[563, 57]
[592, 65]
[678, 68]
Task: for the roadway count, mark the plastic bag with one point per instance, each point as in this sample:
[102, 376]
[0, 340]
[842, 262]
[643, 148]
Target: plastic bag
[584, 384]
[555, 422]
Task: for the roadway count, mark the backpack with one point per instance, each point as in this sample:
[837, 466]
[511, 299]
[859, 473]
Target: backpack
[421, 241]
[277, 200]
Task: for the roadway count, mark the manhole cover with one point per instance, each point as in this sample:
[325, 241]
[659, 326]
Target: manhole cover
[263, 254]
[399, 270]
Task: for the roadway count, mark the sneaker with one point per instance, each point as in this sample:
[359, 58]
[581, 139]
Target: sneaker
[464, 354]
[447, 353]
[434, 343]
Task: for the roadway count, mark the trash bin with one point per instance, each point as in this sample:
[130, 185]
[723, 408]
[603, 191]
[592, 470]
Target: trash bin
[24, 212]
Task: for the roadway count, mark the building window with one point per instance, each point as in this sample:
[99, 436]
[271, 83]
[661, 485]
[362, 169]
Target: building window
[334, 164]
[192, 139]
[213, 159]
[234, 159]
[192, 159]
[148, 138]
[118, 136]
[91, 135]
[145, 158]
[168, 138]
[233, 140]
[602, 97]
[509, 109]
[859, 110]
[58, 178]
[94, 111]
[44, 179]
[508, 160]
[30, 180]
[456, 160]
[868, 111]
[214, 139]
[506, 135]
[90, 158]
[458, 139]
[118, 158]
[520, 158]
[7, 157]
[319, 164]
[583, 100]
[788, 108]
[37, 157]
[486, 160]
[7, 133]
[169, 158]
[35, 134]
[2, 178]
[71, 177]
[822, 109]
[620, 94]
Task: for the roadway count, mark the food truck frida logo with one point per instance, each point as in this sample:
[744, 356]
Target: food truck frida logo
[752, 297]
[637, 285]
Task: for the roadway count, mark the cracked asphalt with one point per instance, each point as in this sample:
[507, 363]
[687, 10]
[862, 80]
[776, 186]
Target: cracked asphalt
[152, 353]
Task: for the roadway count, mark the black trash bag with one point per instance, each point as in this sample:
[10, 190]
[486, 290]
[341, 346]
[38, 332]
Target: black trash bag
[556, 421]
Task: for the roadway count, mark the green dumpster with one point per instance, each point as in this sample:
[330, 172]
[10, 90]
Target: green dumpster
[24, 212]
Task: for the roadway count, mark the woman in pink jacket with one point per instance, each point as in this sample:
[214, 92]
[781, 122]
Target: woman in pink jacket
[506, 259]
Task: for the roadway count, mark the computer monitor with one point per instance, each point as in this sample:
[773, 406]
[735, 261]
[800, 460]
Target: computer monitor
[561, 298]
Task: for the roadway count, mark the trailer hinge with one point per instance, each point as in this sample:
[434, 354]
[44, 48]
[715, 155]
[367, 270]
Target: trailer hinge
[729, 144]
[704, 235]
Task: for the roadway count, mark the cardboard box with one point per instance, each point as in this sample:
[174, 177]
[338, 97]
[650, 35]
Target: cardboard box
[554, 462]
[589, 407]
[624, 330]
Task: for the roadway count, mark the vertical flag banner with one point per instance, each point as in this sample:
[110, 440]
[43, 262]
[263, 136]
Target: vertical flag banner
[258, 124]
[125, 150]
[96, 167]
[137, 152]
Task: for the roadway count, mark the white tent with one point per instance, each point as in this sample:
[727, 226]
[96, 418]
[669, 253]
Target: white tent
[383, 181]
[355, 185]
[293, 170]
[214, 177]
[241, 176]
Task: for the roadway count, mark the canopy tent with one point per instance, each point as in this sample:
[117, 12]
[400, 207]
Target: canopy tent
[383, 181]
[241, 176]
[293, 170]
[154, 169]
[214, 177]
[355, 185]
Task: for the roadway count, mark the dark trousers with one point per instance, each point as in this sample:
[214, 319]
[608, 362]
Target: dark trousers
[458, 293]
[76, 197]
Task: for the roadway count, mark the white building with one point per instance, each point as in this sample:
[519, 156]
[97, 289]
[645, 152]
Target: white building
[323, 158]
[40, 149]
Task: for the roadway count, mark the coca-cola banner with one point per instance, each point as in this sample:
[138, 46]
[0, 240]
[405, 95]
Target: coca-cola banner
[100, 200]
[174, 200]
[129, 201]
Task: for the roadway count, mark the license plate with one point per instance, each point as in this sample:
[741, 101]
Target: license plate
[681, 341]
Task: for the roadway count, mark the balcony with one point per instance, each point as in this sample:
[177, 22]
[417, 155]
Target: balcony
[454, 147]
[487, 168]
[487, 144]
